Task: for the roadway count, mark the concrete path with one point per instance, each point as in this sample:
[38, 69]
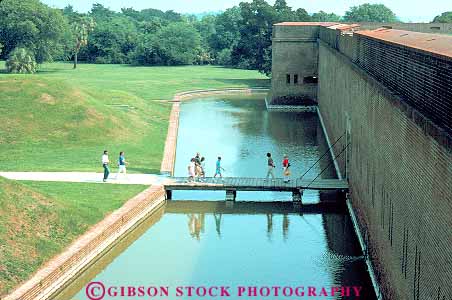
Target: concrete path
[88, 177]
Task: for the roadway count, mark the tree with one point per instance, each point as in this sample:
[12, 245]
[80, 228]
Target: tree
[370, 13]
[256, 24]
[322, 16]
[227, 33]
[21, 60]
[80, 30]
[445, 17]
[179, 43]
[35, 26]
[253, 49]
[112, 39]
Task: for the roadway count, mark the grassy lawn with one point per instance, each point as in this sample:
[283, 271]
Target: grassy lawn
[39, 219]
[62, 119]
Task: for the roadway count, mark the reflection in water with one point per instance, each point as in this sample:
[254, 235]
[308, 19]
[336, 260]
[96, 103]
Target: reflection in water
[218, 223]
[245, 243]
[98, 266]
[269, 226]
[196, 225]
[285, 226]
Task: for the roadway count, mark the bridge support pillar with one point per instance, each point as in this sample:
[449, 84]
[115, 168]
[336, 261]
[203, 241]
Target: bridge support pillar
[297, 195]
[231, 195]
[230, 204]
[168, 194]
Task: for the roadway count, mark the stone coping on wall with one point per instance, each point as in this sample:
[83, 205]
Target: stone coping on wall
[169, 153]
[210, 92]
[88, 247]
[423, 122]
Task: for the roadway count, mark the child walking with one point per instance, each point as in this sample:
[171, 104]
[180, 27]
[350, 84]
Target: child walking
[218, 168]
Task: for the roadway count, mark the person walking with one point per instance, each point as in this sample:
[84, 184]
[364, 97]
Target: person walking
[121, 165]
[271, 166]
[203, 168]
[191, 170]
[105, 162]
[198, 158]
[286, 171]
[198, 169]
[218, 168]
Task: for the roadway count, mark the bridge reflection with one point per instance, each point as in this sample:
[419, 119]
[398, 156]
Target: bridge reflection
[196, 212]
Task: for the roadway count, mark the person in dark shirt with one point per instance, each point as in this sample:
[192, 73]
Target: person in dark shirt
[271, 166]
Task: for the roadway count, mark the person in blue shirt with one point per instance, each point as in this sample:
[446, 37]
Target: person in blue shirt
[218, 168]
[122, 165]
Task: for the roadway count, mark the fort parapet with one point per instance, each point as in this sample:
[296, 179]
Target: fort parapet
[386, 92]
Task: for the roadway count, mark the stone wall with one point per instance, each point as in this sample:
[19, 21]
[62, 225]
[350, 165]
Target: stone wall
[294, 68]
[400, 178]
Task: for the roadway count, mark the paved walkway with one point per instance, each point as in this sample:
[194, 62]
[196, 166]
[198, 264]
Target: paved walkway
[147, 179]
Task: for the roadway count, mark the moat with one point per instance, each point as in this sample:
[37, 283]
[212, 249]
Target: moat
[256, 246]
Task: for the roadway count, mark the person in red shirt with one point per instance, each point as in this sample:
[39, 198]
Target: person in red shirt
[286, 171]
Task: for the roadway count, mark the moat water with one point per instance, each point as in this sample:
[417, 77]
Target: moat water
[253, 244]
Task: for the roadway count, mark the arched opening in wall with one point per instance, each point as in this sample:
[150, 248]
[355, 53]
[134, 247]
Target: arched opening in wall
[288, 78]
[310, 79]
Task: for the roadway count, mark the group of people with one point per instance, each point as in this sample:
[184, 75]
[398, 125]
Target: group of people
[196, 168]
[121, 165]
[271, 166]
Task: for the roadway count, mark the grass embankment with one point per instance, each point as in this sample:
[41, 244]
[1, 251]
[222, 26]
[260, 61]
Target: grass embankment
[38, 220]
[62, 119]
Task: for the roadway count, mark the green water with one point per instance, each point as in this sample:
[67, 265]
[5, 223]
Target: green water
[266, 244]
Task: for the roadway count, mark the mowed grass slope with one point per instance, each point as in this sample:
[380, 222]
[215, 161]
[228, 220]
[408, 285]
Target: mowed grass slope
[38, 220]
[62, 119]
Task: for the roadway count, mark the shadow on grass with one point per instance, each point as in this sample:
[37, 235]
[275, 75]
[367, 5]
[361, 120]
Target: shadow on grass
[153, 66]
[48, 71]
[248, 82]
[144, 170]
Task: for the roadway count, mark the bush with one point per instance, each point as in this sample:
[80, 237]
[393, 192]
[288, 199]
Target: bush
[21, 60]
[224, 57]
[102, 60]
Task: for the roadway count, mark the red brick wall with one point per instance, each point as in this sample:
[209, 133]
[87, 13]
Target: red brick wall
[400, 179]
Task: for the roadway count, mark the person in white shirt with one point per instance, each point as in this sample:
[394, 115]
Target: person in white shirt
[191, 170]
[105, 162]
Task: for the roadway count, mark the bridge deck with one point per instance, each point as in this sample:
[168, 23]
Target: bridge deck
[254, 184]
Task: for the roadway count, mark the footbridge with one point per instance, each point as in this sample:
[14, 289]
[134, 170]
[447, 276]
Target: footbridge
[231, 185]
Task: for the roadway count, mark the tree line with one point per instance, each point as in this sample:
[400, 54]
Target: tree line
[32, 33]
